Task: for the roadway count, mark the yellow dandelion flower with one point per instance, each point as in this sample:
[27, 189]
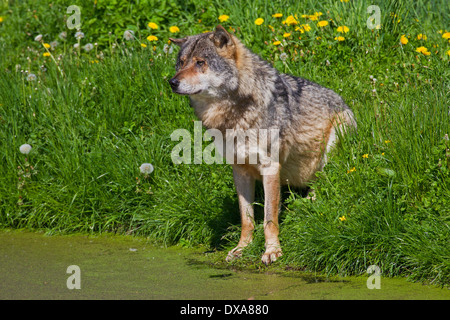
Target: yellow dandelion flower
[299, 29]
[271, 28]
[365, 155]
[403, 40]
[343, 218]
[46, 45]
[340, 38]
[342, 29]
[318, 14]
[143, 45]
[259, 21]
[46, 54]
[286, 34]
[277, 15]
[276, 43]
[152, 38]
[423, 50]
[351, 170]
[223, 18]
[421, 36]
[446, 35]
[322, 23]
[344, 1]
[290, 21]
[448, 52]
[387, 141]
[313, 17]
[306, 27]
[1, 19]
[152, 25]
[174, 29]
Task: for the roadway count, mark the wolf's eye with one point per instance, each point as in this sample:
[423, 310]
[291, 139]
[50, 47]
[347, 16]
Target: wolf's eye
[200, 63]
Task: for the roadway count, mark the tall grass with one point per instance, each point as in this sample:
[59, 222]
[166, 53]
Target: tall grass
[89, 140]
[382, 199]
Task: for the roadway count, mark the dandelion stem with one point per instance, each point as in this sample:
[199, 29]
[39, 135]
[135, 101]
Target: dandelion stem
[79, 49]
[53, 58]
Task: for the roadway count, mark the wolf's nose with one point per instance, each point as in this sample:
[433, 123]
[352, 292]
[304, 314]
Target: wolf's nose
[174, 83]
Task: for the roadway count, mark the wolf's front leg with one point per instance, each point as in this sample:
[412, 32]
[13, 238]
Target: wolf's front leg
[271, 183]
[245, 187]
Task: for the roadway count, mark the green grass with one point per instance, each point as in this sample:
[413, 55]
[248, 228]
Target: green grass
[92, 128]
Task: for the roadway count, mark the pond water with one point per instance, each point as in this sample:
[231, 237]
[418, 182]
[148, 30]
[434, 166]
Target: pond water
[34, 266]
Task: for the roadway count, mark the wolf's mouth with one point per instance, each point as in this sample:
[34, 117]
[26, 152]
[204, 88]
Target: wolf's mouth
[186, 94]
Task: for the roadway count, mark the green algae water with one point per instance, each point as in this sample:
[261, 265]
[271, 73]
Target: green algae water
[35, 266]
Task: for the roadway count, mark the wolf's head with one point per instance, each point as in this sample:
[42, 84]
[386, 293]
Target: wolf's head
[206, 64]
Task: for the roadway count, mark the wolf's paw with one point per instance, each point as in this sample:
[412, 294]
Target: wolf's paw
[311, 195]
[271, 255]
[234, 254]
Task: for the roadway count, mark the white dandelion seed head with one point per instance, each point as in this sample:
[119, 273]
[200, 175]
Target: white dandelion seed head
[146, 168]
[283, 56]
[128, 35]
[88, 47]
[54, 44]
[38, 38]
[168, 49]
[25, 148]
[31, 77]
[79, 35]
[76, 45]
[63, 35]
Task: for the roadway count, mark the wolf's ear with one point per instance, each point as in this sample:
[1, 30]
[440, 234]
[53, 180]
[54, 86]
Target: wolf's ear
[178, 42]
[221, 37]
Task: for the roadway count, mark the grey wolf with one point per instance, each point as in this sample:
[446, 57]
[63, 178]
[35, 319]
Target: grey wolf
[230, 87]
